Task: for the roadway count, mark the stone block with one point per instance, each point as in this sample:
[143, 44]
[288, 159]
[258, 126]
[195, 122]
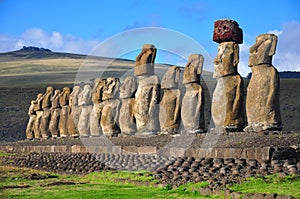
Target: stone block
[227, 30]
[78, 149]
[130, 150]
[177, 152]
[147, 150]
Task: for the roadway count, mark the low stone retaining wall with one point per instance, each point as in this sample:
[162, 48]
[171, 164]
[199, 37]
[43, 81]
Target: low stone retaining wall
[260, 154]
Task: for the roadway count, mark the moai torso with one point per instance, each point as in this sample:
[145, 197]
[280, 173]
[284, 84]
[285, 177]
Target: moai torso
[227, 104]
[84, 101]
[192, 110]
[126, 112]
[64, 114]
[74, 112]
[262, 103]
[169, 110]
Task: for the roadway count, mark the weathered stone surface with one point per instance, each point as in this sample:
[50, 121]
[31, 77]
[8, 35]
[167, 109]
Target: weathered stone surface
[126, 112]
[74, 112]
[39, 112]
[109, 117]
[65, 110]
[84, 101]
[171, 78]
[30, 124]
[192, 110]
[145, 61]
[64, 96]
[55, 114]
[146, 107]
[262, 102]
[110, 88]
[228, 97]
[46, 116]
[193, 69]
[227, 30]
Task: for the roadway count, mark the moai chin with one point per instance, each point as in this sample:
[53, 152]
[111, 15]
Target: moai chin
[45, 120]
[55, 114]
[84, 101]
[262, 102]
[169, 109]
[74, 112]
[227, 103]
[144, 64]
[126, 112]
[64, 104]
[110, 110]
[192, 110]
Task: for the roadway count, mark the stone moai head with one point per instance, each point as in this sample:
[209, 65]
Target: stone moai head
[171, 78]
[144, 64]
[128, 88]
[64, 96]
[193, 69]
[39, 96]
[74, 95]
[98, 90]
[263, 50]
[49, 89]
[111, 88]
[227, 59]
[86, 94]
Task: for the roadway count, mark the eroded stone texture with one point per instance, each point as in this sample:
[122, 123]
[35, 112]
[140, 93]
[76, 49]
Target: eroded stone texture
[227, 30]
[169, 110]
[39, 112]
[144, 64]
[110, 107]
[84, 101]
[64, 114]
[146, 107]
[126, 112]
[30, 124]
[262, 102]
[74, 112]
[192, 110]
[46, 116]
[227, 103]
[55, 114]
[95, 115]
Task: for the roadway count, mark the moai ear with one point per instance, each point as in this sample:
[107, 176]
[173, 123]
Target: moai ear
[236, 54]
[200, 66]
[274, 40]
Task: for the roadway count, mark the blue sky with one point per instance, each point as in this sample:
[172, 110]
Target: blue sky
[79, 26]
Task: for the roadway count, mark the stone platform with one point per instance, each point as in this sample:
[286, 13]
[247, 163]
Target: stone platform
[265, 146]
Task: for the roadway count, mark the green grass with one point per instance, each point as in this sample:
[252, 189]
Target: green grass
[288, 185]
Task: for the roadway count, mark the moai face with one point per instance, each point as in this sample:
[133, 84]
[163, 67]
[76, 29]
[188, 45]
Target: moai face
[171, 78]
[227, 59]
[49, 89]
[193, 69]
[111, 88]
[98, 90]
[263, 50]
[144, 64]
[128, 88]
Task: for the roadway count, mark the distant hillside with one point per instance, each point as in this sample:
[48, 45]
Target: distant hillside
[284, 74]
[39, 67]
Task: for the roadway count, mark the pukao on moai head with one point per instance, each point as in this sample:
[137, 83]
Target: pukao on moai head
[193, 69]
[262, 103]
[144, 64]
[192, 110]
[227, 103]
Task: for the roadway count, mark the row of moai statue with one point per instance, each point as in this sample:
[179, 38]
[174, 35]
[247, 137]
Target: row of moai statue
[144, 105]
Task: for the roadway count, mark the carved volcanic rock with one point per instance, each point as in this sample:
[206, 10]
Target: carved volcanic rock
[227, 30]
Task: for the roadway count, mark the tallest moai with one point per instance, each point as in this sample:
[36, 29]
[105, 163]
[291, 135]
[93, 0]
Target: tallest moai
[228, 97]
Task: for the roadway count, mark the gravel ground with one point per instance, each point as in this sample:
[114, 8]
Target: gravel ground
[176, 171]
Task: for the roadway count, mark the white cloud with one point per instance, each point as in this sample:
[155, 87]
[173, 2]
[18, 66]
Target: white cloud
[54, 41]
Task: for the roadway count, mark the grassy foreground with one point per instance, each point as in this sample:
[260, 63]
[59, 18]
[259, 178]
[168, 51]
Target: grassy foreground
[20, 183]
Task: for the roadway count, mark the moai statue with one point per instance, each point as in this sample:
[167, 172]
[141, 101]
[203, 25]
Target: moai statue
[39, 112]
[64, 104]
[228, 97]
[192, 110]
[95, 115]
[46, 106]
[30, 124]
[126, 113]
[262, 102]
[169, 109]
[74, 112]
[110, 107]
[84, 101]
[55, 114]
[146, 107]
